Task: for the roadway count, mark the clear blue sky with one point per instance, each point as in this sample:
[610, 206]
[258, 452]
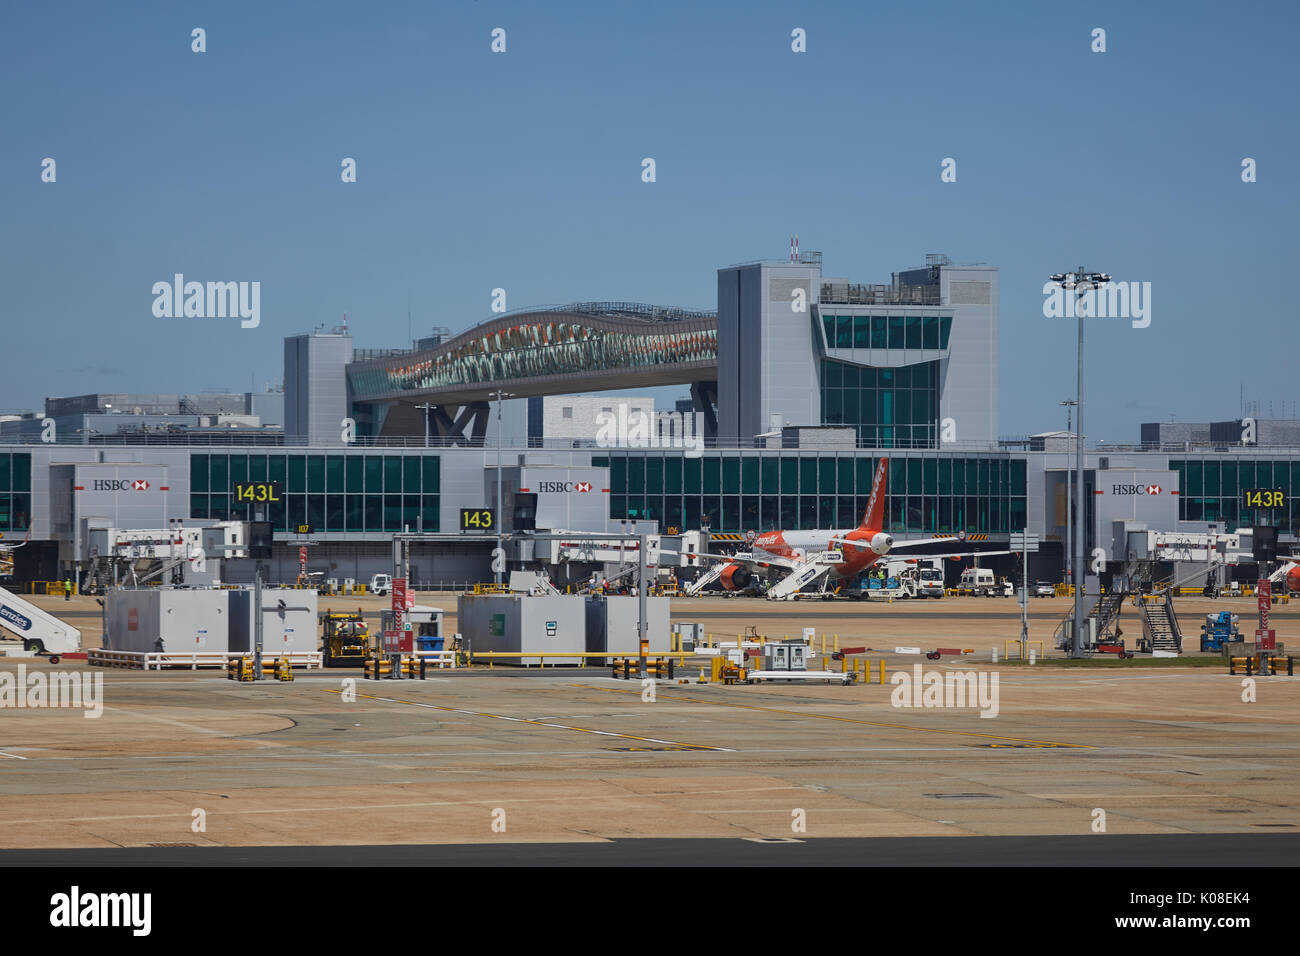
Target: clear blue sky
[522, 170]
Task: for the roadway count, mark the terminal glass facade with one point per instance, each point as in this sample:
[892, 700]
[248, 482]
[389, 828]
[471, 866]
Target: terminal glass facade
[327, 492]
[890, 407]
[1210, 490]
[15, 491]
[759, 492]
[887, 331]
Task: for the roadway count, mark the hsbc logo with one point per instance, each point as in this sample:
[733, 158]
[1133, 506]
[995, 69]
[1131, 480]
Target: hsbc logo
[120, 484]
[1135, 489]
[563, 487]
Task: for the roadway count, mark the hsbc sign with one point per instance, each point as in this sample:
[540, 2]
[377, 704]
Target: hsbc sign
[1135, 489]
[563, 487]
[119, 484]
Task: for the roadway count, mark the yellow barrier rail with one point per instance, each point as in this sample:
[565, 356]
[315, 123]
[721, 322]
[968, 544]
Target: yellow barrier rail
[493, 656]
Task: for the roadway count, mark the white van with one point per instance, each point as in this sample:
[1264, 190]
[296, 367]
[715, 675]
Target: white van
[979, 581]
[381, 584]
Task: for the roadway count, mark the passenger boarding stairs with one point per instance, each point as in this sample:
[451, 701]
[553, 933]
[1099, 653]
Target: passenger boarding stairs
[1105, 610]
[814, 568]
[1160, 624]
[40, 631]
[704, 580]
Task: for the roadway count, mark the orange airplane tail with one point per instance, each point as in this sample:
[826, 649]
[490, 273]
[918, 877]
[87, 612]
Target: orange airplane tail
[873, 520]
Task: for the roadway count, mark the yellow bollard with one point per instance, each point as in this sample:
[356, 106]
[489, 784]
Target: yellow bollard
[882, 670]
[837, 643]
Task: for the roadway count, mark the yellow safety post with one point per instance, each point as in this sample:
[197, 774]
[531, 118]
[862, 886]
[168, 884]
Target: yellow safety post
[837, 643]
[882, 670]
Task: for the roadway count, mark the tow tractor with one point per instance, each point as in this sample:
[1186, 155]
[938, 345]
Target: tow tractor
[345, 639]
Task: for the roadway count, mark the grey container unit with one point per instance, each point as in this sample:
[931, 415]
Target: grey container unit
[612, 624]
[518, 623]
[292, 630]
[171, 620]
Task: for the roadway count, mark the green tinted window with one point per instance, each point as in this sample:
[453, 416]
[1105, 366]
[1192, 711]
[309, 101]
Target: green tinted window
[844, 332]
[896, 337]
[930, 332]
[749, 476]
[808, 476]
[392, 479]
[691, 475]
[673, 478]
[411, 481]
[654, 476]
[771, 481]
[198, 476]
[220, 474]
[862, 331]
[257, 468]
[913, 331]
[879, 332]
[844, 476]
[635, 475]
[789, 476]
[945, 327]
[297, 473]
[315, 474]
[712, 476]
[825, 476]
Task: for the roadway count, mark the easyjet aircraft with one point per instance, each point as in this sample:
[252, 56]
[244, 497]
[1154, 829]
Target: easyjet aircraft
[858, 548]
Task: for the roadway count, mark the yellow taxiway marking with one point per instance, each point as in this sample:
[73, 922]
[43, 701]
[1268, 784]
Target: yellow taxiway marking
[543, 723]
[853, 720]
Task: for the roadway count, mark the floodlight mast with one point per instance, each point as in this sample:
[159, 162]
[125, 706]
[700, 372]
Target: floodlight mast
[1080, 281]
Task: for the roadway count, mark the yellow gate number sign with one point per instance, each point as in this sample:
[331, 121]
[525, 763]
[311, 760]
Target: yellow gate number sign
[259, 492]
[477, 519]
[1263, 498]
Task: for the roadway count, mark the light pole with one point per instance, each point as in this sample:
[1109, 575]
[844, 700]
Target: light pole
[1069, 485]
[426, 406]
[501, 395]
[1079, 281]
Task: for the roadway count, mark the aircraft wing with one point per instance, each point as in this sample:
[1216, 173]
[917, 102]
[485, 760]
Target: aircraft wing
[966, 554]
[920, 541]
[745, 558]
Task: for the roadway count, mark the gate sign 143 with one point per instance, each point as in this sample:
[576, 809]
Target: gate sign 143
[477, 519]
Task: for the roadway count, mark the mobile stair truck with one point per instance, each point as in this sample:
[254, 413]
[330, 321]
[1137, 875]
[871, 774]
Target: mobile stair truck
[42, 634]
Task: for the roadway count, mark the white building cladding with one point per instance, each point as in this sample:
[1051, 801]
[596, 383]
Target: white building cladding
[894, 361]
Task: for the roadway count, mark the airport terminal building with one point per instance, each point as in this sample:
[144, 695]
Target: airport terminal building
[799, 384]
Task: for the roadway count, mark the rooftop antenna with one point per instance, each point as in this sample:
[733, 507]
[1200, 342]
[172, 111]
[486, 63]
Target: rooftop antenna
[345, 323]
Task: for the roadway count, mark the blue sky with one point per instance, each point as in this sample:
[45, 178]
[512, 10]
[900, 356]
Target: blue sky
[522, 171]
